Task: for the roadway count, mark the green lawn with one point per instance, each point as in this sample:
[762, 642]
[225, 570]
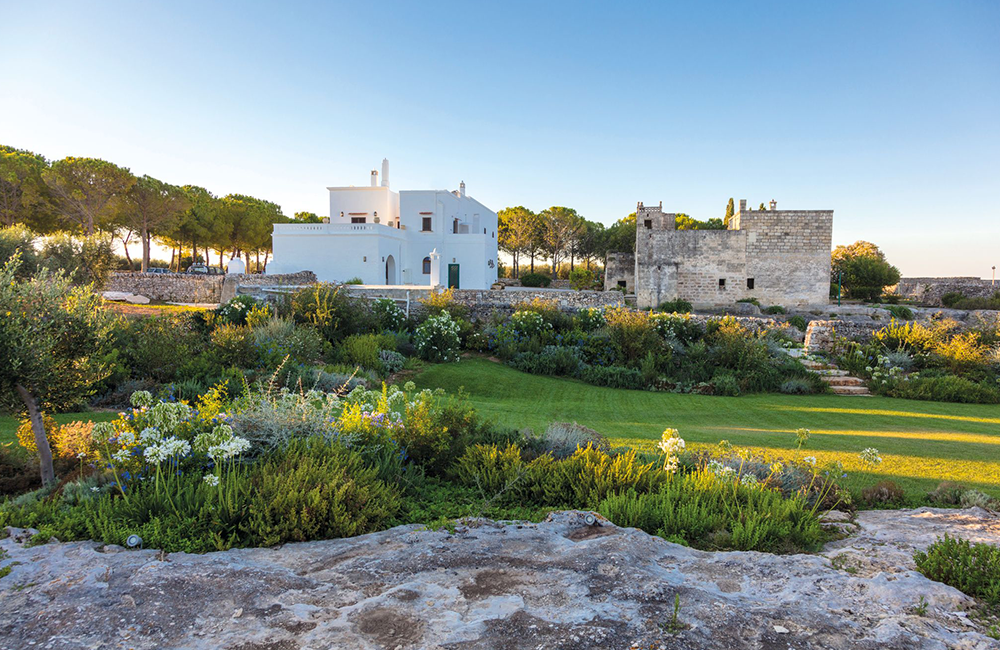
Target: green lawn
[921, 443]
[8, 425]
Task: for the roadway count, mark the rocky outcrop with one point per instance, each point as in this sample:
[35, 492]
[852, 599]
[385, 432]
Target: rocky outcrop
[558, 584]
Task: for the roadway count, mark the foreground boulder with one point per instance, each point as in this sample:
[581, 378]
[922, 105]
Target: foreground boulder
[558, 584]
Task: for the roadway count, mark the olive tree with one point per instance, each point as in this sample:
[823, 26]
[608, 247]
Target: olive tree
[52, 336]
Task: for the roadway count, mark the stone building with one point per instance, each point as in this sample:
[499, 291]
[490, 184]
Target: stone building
[780, 257]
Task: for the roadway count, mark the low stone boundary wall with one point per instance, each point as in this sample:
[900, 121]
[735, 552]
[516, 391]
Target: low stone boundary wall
[483, 303]
[930, 290]
[182, 287]
[173, 287]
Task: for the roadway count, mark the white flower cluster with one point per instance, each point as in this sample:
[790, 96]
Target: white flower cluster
[160, 451]
[749, 480]
[437, 338]
[212, 480]
[671, 444]
[809, 460]
[165, 416]
[720, 470]
[221, 444]
[141, 399]
[529, 323]
[870, 456]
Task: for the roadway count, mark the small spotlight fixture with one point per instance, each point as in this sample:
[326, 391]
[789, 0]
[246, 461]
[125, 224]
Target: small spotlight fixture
[133, 541]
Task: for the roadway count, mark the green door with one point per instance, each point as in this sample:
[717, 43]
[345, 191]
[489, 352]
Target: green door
[453, 276]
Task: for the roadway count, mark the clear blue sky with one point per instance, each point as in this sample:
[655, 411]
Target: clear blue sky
[886, 112]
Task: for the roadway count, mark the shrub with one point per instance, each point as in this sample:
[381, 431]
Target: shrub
[633, 334]
[883, 493]
[392, 361]
[278, 338]
[561, 440]
[701, 510]
[552, 360]
[235, 345]
[235, 311]
[580, 279]
[438, 302]
[437, 339]
[364, 349]
[19, 238]
[752, 301]
[951, 298]
[946, 389]
[947, 493]
[775, 309]
[529, 323]
[354, 280]
[973, 569]
[795, 386]
[977, 499]
[798, 322]
[157, 348]
[613, 377]
[331, 311]
[678, 306]
[962, 352]
[85, 259]
[726, 384]
[270, 421]
[914, 337]
[388, 315]
[590, 319]
[535, 280]
[549, 311]
[316, 490]
[678, 327]
[900, 312]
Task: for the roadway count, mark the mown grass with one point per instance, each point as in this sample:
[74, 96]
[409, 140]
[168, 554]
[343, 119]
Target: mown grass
[921, 443]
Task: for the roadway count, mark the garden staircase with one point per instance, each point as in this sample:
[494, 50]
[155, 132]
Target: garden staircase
[840, 381]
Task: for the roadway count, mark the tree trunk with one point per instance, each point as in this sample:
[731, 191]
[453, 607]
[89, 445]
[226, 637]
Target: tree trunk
[532, 261]
[41, 441]
[145, 249]
[266, 255]
[257, 269]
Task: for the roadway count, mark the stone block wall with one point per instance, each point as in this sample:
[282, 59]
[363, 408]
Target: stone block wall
[928, 291]
[619, 271]
[820, 334]
[177, 287]
[779, 257]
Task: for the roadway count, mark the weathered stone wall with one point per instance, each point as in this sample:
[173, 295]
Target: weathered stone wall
[820, 334]
[779, 257]
[482, 303]
[929, 290]
[257, 285]
[177, 287]
[619, 271]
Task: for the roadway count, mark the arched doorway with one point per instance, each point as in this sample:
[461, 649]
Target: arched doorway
[390, 270]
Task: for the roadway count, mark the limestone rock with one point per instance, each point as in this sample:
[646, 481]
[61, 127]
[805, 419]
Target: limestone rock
[558, 584]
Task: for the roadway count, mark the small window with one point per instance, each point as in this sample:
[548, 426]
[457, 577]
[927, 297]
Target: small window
[722, 283]
[359, 219]
[454, 226]
[649, 224]
[749, 283]
[426, 226]
[622, 284]
[427, 266]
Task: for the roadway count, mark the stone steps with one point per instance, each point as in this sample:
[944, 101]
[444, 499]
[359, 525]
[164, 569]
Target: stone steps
[840, 381]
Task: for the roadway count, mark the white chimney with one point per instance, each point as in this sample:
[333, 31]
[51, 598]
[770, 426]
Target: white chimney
[385, 172]
[374, 178]
[461, 188]
[774, 204]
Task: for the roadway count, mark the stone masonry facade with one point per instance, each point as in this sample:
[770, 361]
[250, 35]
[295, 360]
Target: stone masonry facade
[928, 291]
[619, 272]
[780, 257]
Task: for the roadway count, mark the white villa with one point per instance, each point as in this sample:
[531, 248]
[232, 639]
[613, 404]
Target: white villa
[413, 237]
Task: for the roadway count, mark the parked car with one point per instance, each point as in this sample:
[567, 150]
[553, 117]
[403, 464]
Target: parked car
[201, 269]
[159, 270]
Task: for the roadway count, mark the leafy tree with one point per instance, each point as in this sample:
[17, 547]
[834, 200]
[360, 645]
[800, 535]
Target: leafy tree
[685, 222]
[864, 270]
[590, 242]
[730, 212]
[307, 217]
[620, 237]
[560, 226]
[519, 233]
[150, 208]
[251, 221]
[86, 191]
[22, 190]
[199, 223]
[52, 336]
[84, 260]
[762, 207]
[19, 239]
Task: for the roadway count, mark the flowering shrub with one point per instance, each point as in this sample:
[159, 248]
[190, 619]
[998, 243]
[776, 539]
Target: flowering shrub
[590, 319]
[671, 445]
[437, 339]
[388, 316]
[529, 323]
[236, 310]
[870, 457]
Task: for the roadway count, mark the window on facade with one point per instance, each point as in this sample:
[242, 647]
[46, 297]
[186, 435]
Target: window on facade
[426, 225]
[749, 283]
[722, 283]
[359, 219]
[622, 284]
[649, 224]
[427, 266]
